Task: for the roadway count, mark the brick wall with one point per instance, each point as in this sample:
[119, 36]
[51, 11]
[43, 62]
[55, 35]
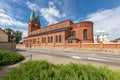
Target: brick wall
[3, 36]
[32, 31]
[7, 46]
[88, 26]
[99, 46]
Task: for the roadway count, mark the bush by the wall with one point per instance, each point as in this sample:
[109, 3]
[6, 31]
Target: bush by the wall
[42, 70]
[8, 57]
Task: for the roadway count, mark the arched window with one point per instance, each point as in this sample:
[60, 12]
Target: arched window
[60, 38]
[38, 41]
[44, 39]
[56, 39]
[85, 34]
[48, 39]
[51, 39]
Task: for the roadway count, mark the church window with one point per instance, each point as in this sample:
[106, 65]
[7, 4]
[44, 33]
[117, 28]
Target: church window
[38, 40]
[51, 39]
[85, 34]
[44, 39]
[48, 39]
[60, 38]
[56, 39]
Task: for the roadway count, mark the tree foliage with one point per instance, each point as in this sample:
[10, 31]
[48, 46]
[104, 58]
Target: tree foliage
[13, 36]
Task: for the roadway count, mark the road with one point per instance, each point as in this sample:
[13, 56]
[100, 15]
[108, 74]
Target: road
[113, 60]
[63, 56]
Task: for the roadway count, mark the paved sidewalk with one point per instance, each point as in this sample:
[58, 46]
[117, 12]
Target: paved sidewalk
[86, 51]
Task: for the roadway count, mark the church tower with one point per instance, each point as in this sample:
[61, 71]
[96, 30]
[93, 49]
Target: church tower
[34, 23]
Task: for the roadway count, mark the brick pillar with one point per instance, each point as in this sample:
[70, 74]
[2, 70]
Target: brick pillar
[34, 45]
[64, 45]
[79, 44]
[53, 45]
[45, 45]
[101, 45]
[39, 44]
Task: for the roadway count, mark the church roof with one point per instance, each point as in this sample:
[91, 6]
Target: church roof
[72, 38]
[51, 31]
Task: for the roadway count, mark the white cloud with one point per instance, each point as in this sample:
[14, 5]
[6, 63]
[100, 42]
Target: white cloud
[33, 6]
[78, 20]
[7, 7]
[100, 31]
[51, 4]
[107, 20]
[50, 14]
[8, 17]
[6, 20]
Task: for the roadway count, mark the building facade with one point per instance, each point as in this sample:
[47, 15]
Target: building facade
[101, 38]
[116, 40]
[62, 32]
[3, 36]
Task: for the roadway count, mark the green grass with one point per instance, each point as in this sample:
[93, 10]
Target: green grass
[42, 70]
[8, 57]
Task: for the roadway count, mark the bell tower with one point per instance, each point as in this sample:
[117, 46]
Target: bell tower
[34, 23]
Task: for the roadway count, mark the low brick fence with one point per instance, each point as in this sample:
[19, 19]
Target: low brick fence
[99, 46]
[7, 46]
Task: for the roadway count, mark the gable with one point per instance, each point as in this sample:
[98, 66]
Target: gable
[2, 33]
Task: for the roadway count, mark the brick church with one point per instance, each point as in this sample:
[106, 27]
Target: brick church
[65, 32]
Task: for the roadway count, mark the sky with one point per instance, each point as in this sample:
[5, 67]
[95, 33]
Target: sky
[104, 13]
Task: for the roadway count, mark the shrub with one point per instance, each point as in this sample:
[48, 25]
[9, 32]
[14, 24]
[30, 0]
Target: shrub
[42, 70]
[8, 57]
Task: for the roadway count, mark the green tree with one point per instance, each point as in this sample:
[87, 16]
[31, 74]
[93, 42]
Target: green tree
[10, 32]
[18, 36]
[13, 36]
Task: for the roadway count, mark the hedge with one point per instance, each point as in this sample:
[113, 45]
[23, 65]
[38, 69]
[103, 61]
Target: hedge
[8, 57]
[43, 70]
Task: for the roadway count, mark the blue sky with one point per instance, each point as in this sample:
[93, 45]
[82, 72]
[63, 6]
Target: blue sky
[104, 13]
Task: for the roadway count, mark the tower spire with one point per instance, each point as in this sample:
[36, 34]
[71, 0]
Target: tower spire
[32, 16]
[37, 17]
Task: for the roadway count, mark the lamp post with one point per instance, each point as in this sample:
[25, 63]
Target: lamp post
[30, 57]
